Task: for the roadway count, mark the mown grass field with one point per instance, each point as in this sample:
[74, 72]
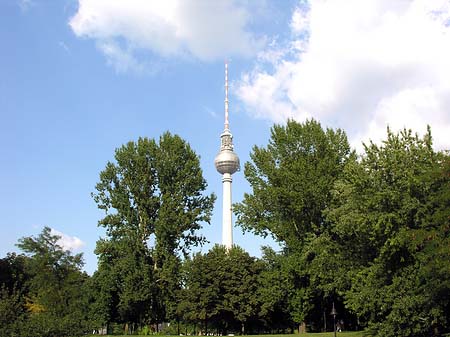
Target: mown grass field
[318, 334]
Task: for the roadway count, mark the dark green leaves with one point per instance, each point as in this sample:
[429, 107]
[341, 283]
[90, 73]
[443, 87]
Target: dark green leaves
[388, 216]
[153, 199]
[291, 181]
[155, 189]
[221, 287]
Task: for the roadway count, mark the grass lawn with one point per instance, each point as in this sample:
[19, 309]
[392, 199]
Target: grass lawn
[318, 334]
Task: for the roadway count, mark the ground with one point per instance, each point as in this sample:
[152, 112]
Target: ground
[325, 334]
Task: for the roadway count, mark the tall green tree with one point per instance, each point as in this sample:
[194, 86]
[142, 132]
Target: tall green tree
[56, 298]
[391, 215]
[292, 179]
[154, 203]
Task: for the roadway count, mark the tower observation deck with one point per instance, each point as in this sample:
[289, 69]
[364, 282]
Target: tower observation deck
[227, 163]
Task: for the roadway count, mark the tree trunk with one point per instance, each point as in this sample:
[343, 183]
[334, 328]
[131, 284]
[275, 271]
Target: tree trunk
[242, 328]
[302, 327]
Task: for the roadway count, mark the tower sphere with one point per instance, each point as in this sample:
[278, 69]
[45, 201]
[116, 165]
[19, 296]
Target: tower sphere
[227, 162]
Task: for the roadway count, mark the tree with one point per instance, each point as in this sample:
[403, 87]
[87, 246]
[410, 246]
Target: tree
[241, 286]
[12, 287]
[292, 179]
[55, 298]
[124, 284]
[273, 291]
[201, 293]
[391, 220]
[12, 271]
[11, 311]
[152, 197]
[221, 289]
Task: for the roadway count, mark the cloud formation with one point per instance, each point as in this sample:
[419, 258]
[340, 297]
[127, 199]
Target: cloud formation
[68, 242]
[358, 65]
[199, 29]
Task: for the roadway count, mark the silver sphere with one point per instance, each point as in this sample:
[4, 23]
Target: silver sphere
[227, 162]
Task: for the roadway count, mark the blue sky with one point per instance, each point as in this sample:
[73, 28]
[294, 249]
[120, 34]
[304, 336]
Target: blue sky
[79, 78]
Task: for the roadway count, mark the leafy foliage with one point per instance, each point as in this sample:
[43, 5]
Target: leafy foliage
[11, 312]
[152, 197]
[274, 291]
[367, 234]
[221, 287]
[44, 292]
[292, 179]
[393, 207]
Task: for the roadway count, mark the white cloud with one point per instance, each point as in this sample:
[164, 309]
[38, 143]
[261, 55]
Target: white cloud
[68, 242]
[300, 20]
[359, 65]
[199, 29]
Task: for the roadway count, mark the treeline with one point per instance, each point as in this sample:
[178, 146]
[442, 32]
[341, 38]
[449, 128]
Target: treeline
[369, 232]
[366, 233]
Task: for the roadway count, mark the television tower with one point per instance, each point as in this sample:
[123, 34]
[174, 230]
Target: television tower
[227, 163]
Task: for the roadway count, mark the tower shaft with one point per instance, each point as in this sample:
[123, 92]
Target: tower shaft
[227, 227]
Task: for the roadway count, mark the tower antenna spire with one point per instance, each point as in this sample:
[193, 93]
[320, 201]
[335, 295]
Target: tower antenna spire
[227, 124]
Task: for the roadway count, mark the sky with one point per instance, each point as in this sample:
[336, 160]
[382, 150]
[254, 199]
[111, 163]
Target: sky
[79, 78]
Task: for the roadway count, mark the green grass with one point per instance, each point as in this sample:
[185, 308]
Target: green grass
[318, 334]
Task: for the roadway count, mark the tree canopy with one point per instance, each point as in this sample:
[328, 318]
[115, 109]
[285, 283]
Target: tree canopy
[221, 289]
[368, 234]
[391, 219]
[50, 293]
[154, 203]
[292, 180]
